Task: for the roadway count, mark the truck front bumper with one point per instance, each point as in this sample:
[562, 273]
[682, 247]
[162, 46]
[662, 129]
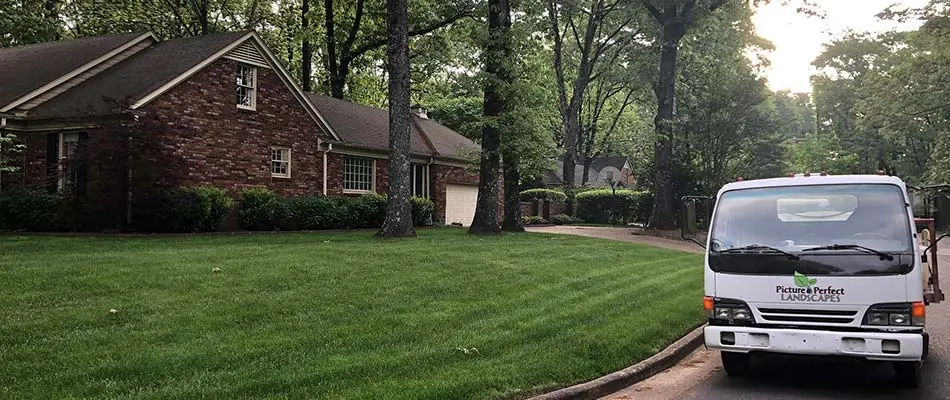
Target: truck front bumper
[880, 346]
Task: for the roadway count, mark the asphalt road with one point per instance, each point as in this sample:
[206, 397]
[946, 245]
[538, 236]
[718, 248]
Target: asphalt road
[700, 376]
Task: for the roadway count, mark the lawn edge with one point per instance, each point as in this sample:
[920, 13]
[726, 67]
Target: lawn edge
[640, 371]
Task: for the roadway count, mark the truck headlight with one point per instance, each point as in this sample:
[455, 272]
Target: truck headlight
[728, 310]
[900, 319]
[723, 313]
[896, 314]
[741, 314]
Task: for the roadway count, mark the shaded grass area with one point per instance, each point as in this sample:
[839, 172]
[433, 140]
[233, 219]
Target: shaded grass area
[334, 315]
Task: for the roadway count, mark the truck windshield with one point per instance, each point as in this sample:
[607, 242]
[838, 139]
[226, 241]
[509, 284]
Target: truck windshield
[793, 219]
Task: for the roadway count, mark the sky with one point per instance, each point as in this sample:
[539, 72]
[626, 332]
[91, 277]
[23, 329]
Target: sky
[798, 39]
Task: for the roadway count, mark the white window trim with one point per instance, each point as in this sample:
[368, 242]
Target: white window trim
[289, 162]
[354, 191]
[253, 87]
[425, 179]
[61, 158]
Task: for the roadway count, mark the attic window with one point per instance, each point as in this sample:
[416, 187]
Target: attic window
[246, 87]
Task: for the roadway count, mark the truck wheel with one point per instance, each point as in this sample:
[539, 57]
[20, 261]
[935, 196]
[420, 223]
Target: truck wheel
[907, 374]
[736, 364]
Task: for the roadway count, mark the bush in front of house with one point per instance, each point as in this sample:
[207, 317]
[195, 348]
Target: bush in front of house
[542, 195]
[534, 220]
[183, 209]
[564, 219]
[605, 206]
[423, 211]
[30, 210]
[260, 209]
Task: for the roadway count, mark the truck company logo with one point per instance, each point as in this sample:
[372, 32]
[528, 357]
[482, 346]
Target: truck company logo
[806, 289]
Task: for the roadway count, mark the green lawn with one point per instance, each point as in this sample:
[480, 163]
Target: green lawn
[332, 316]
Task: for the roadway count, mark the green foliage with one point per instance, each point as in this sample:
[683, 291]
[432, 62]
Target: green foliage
[313, 213]
[543, 195]
[534, 220]
[822, 152]
[606, 207]
[8, 146]
[30, 210]
[564, 219]
[185, 209]
[259, 209]
[423, 211]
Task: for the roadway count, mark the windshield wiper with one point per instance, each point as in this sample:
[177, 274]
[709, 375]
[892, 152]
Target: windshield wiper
[883, 255]
[759, 247]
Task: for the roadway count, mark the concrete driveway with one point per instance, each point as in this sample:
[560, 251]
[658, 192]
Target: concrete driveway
[622, 234]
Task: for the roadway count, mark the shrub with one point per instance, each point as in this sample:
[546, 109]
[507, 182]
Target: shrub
[543, 195]
[259, 209]
[200, 209]
[312, 213]
[563, 219]
[30, 210]
[606, 207]
[422, 211]
[533, 220]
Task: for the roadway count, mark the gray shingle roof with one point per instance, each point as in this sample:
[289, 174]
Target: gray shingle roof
[369, 127]
[136, 76]
[33, 66]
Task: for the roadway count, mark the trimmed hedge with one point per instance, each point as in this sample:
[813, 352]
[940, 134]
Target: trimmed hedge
[185, 209]
[543, 195]
[534, 220]
[263, 210]
[606, 207]
[564, 219]
[31, 210]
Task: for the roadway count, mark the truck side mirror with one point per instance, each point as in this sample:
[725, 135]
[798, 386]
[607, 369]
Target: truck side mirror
[688, 228]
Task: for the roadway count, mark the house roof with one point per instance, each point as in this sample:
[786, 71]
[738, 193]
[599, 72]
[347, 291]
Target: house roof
[369, 127]
[597, 164]
[141, 74]
[34, 66]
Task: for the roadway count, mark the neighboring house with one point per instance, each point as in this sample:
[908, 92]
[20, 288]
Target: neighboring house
[107, 118]
[604, 172]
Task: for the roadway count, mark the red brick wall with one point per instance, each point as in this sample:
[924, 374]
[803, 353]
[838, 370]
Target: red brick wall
[442, 175]
[227, 147]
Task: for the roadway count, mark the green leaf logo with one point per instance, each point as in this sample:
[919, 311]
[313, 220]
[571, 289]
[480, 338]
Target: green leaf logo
[803, 281]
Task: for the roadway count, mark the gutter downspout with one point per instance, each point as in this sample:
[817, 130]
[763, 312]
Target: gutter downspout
[3, 126]
[428, 176]
[329, 149]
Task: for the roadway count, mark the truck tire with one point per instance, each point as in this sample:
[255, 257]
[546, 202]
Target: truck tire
[736, 364]
[907, 374]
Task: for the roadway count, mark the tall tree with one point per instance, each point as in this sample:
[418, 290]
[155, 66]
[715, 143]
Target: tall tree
[497, 85]
[306, 53]
[675, 17]
[398, 222]
[599, 32]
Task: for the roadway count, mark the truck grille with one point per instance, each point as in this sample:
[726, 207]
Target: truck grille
[810, 316]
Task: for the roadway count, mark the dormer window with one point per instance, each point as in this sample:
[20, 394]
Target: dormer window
[246, 87]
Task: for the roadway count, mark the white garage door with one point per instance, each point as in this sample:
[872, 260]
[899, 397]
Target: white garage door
[460, 204]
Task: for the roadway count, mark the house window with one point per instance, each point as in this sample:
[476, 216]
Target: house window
[68, 173]
[420, 180]
[358, 174]
[246, 87]
[280, 162]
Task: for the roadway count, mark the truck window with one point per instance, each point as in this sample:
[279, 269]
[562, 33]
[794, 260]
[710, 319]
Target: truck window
[800, 217]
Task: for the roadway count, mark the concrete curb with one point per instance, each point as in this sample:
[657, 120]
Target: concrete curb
[643, 370]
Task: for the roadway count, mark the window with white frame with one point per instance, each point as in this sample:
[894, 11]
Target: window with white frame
[420, 180]
[68, 174]
[358, 174]
[280, 162]
[246, 87]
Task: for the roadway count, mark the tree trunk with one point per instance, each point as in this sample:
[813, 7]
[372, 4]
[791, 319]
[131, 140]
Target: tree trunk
[512, 219]
[587, 163]
[306, 59]
[398, 221]
[497, 51]
[663, 190]
[337, 84]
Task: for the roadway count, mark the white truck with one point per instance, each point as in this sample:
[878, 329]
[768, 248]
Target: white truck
[817, 265]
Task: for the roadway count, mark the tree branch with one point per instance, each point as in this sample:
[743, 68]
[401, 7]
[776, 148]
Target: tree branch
[330, 25]
[655, 12]
[377, 43]
[351, 38]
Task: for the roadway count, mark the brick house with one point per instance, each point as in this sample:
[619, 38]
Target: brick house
[106, 118]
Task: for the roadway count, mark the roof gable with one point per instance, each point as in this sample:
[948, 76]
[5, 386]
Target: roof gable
[40, 67]
[368, 127]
